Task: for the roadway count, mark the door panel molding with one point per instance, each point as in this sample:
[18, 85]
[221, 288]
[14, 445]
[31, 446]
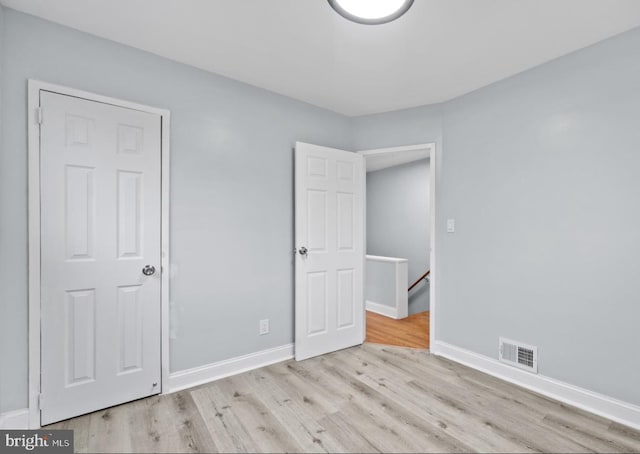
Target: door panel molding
[129, 144]
[330, 235]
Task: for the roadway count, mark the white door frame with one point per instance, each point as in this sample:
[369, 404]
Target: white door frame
[430, 148]
[35, 86]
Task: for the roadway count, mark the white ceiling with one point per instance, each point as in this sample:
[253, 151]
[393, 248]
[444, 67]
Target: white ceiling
[301, 48]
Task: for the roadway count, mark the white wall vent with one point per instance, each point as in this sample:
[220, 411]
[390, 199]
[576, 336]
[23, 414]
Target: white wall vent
[518, 354]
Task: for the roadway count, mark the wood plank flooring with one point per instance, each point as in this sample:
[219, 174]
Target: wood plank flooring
[412, 331]
[371, 398]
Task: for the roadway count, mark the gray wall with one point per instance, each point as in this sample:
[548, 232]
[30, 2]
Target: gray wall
[231, 191]
[398, 221]
[403, 127]
[5, 332]
[380, 287]
[542, 174]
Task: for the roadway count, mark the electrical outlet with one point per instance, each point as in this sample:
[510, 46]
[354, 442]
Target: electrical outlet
[264, 326]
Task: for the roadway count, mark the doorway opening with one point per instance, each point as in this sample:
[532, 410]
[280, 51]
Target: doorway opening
[400, 221]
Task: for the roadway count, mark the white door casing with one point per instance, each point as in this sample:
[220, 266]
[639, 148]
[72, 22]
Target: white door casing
[100, 189]
[329, 224]
[383, 156]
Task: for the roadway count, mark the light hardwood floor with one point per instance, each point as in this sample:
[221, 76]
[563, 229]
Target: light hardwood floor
[412, 331]
[371, 398]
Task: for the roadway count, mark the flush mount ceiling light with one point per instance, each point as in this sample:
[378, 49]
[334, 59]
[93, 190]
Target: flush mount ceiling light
[371, 12]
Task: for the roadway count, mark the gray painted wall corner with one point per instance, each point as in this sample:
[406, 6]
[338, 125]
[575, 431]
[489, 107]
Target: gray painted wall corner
[540, 173]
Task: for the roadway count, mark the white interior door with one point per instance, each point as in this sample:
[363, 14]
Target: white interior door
[100, 226]
[329, 230]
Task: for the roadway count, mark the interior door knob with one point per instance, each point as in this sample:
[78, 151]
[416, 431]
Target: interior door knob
[303, 250]
[148, 270]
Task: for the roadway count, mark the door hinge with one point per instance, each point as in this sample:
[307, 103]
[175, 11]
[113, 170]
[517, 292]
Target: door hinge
[39, 115]
[40, 401]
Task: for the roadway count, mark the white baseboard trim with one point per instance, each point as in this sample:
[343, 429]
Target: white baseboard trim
[599, 404]
[204, 374]
[17, 419]
[381, 309]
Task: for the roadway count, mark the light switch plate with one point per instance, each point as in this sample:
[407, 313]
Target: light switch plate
[451, 225]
